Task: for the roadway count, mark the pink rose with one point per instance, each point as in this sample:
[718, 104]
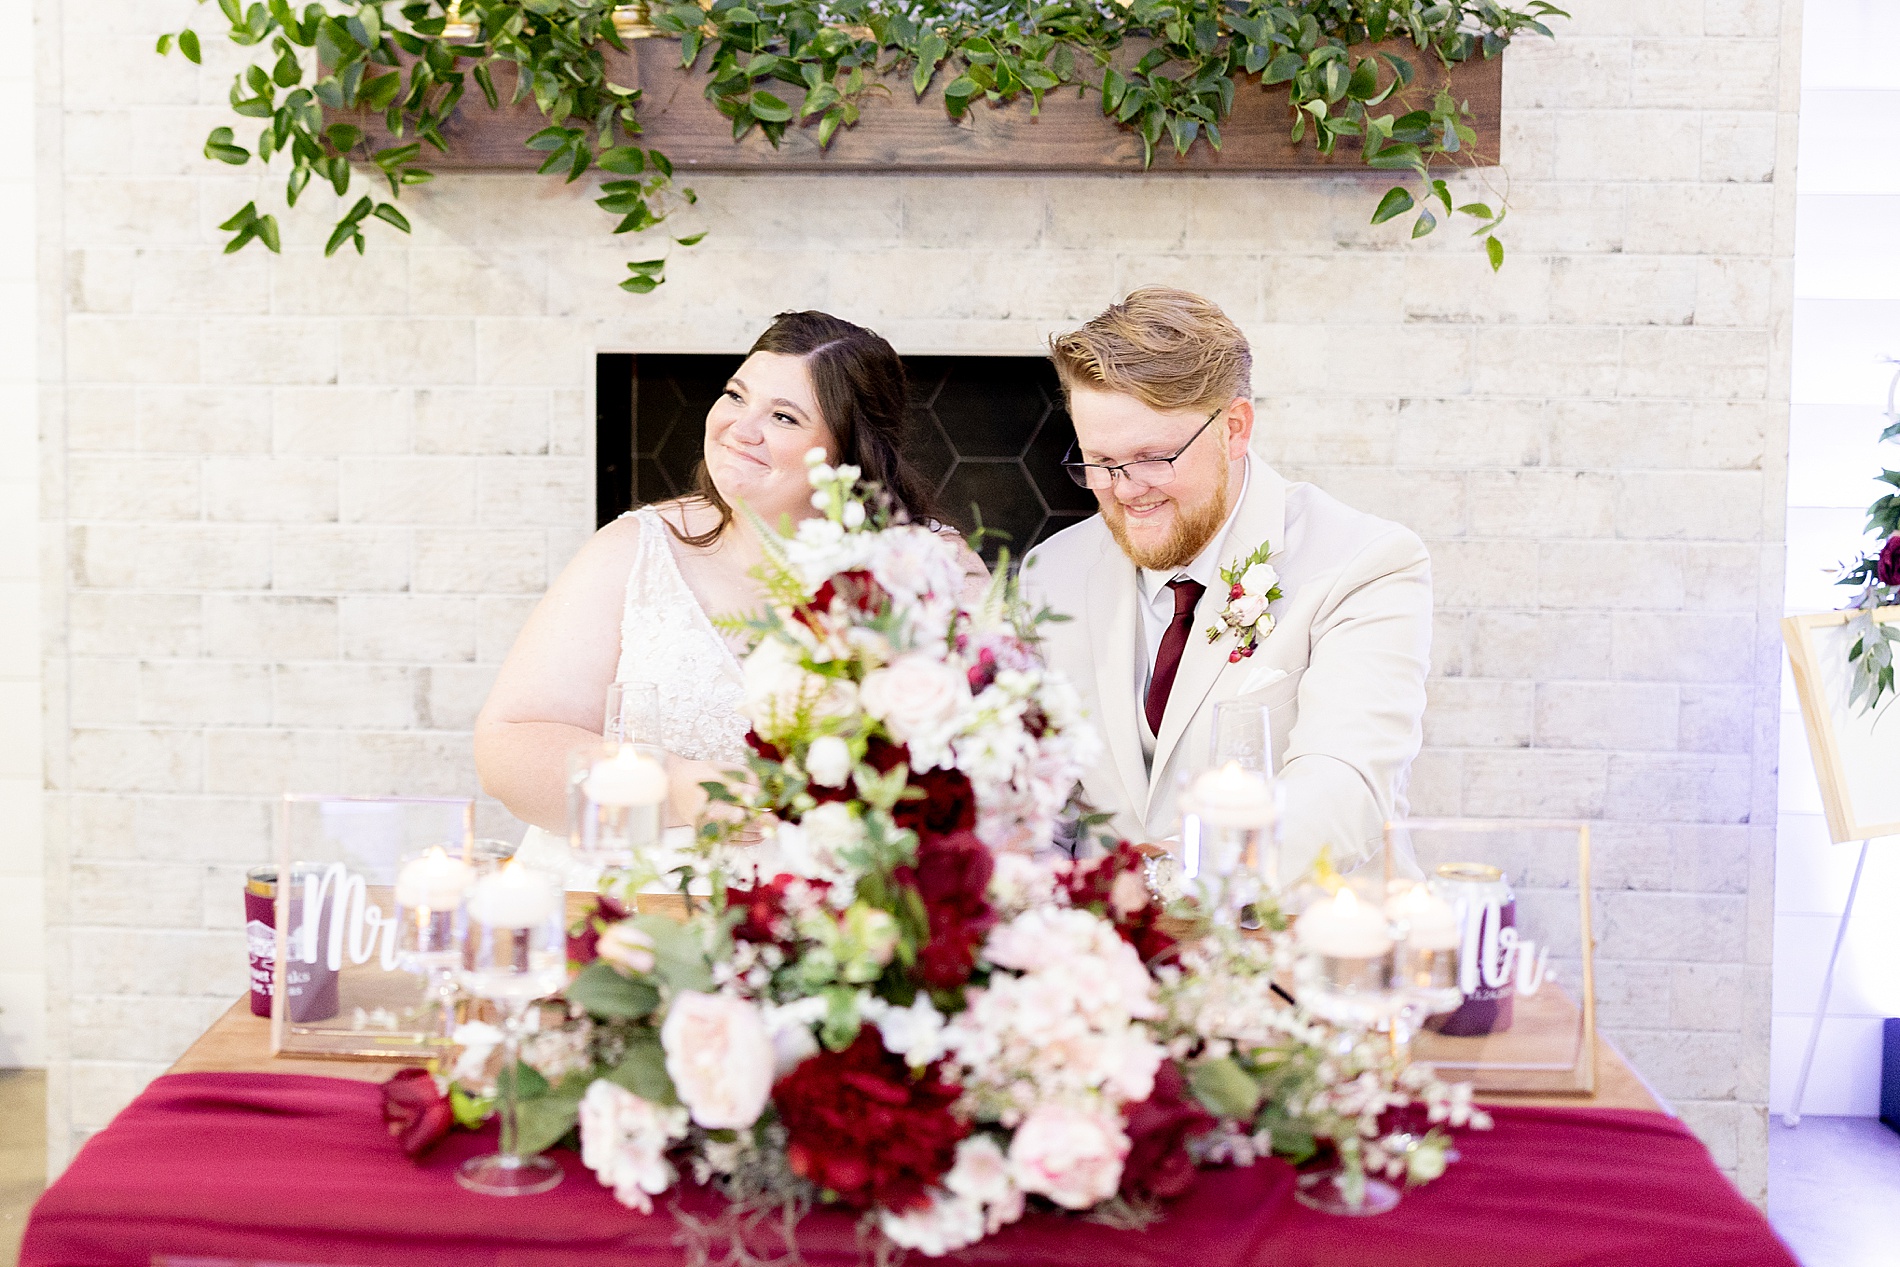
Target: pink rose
[1071, 1155]
[918, 697]
[720, 1057]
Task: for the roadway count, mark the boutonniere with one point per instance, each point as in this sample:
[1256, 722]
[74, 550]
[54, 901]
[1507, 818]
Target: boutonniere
[1251, 584]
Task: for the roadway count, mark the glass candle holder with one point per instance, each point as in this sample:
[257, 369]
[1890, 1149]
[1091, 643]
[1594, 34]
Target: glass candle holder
[1347, 969]
[1426, 926]
[514, 951]
[431, 886]
[1348, 974]
[617, 794]
[1230, 840]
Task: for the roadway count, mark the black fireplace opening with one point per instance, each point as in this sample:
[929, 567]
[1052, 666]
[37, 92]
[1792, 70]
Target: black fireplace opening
[988, 433]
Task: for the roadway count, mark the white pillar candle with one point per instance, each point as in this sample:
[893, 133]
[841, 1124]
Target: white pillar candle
[629, 777]
[1431, 922]
[1344, 928]
[514, 897]
[1233, 797]
[435, 881]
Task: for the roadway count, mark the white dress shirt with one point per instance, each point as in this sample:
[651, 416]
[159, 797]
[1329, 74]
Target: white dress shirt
[1157, 602]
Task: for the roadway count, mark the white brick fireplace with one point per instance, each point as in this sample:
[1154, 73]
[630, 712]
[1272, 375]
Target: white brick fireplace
[305, 503]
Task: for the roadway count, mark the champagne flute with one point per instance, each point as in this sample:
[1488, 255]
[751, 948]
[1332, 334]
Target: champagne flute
[514, 951]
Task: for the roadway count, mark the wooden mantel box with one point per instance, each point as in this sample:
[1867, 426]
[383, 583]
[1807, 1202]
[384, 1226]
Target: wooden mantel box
[899, 132]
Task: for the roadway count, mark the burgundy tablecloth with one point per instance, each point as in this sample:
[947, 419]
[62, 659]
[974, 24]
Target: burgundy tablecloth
[281, 1169]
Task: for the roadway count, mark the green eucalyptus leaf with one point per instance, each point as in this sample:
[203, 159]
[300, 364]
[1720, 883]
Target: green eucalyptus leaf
[1397, 201]
[390, 216]
[608, 993]
[1224, 1088]
[770, 108]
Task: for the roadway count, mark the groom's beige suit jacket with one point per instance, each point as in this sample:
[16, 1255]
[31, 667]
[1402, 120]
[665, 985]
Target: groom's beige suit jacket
[1342, 673]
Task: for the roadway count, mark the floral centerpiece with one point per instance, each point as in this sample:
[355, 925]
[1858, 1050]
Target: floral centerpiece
[922, 1012]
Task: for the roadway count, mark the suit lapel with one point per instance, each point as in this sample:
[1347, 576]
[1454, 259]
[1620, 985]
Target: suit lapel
[1261, 517]
[1112, 639]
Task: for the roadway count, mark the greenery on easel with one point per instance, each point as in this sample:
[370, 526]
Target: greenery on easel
[1876, 574]
[777, 64]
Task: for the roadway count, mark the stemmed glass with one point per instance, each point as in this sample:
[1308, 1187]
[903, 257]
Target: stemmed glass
[514, 951]
[430, 888]
[1348, 974]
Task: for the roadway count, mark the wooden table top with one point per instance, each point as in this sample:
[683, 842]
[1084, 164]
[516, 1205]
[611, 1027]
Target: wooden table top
[238, 1042]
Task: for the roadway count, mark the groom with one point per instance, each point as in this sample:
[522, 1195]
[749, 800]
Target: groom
[1332, 635]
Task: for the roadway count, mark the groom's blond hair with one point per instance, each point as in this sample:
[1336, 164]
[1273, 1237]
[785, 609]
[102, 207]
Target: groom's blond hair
[1168, 348]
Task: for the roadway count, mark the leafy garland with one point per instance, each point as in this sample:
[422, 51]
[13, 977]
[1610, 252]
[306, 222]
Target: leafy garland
[1877, 575]
[776, 64]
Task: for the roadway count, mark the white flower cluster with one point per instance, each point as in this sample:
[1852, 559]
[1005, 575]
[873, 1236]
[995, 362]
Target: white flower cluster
[958, 689]
[1063, 1025]
[1053, 1048]
[979, 1196]
[624, 1140]
[1218, 997]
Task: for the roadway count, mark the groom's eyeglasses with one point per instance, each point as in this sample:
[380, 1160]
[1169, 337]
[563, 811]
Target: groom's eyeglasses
[1148, 472]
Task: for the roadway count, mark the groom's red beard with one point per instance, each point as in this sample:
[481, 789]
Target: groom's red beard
[1194, 527]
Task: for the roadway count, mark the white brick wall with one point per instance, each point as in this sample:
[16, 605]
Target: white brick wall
[303, 574]
[22, 870]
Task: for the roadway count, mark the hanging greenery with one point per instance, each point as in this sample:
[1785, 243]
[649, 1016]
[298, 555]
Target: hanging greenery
[777, 64]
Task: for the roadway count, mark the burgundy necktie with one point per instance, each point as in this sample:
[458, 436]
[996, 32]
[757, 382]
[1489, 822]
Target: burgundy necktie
[1173, 643]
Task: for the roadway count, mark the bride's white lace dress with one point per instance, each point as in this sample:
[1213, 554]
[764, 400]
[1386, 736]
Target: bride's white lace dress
[667, 638]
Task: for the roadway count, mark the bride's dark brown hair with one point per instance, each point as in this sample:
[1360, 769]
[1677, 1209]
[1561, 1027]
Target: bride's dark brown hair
[864, 396]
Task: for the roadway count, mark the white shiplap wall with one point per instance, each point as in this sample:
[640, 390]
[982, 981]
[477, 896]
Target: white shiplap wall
[1846, 316]
[22, 887]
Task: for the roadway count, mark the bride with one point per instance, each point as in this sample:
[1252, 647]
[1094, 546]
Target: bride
[637, 603]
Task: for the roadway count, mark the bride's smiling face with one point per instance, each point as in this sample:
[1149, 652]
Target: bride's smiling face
[758, 433]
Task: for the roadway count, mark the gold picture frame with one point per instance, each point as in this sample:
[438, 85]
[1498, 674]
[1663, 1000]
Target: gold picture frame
[338, 994]
[1856, 755]
[1550, 1045]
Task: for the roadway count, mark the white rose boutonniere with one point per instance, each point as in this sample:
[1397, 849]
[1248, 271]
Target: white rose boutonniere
[1252, 583]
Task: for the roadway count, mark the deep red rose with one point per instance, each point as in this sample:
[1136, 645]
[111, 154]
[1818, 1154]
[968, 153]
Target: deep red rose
[1091, 886]
[1887, 566]
[857, 591]
[1158, 1166]
[583, 946]
[952, 876]
[416, 1113]
[948, 803]
[862, 1126]
[763, 911]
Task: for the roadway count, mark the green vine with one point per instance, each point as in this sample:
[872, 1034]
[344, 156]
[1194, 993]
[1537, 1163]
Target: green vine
[1167, 69]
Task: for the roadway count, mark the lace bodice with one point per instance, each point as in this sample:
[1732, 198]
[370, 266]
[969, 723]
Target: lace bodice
[666, 638]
